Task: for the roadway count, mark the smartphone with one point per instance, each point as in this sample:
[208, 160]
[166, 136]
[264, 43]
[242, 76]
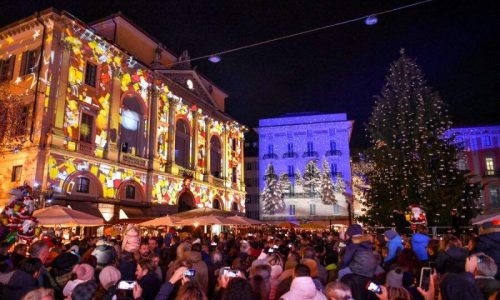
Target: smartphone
[126, 285]
[271, 250]
[373, 287]
[276, 246]
[342, 245]
[290, 245]
[231, 273]
[425, 278]
[190, 273]
[213, 244]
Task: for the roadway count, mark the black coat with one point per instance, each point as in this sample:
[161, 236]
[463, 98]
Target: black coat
[150, 285]
[490, 245]
[451, 261]
[19, 285]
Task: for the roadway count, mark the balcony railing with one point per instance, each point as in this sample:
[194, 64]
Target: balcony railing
[310, 154]
[270, 156]
[86, 148]
[290, 155]
[133, 160]
[333, 153]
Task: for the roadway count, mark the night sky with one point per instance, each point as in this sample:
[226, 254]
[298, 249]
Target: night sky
[457, 44]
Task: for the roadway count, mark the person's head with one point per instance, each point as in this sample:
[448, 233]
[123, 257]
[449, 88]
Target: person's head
[309, 252]
[196, 247]
[421, 228]
[31, 266]
[454, 286]
[190, 291]
[481, 264]
[433, 247]
[353, 230]
[152, 244]
[301, 270]
[40, 250]
[338, 291]
[84, 291]
[390, 234]
[263, 271]
[21, 249]
[260, 287]
[109, 276]
[398, 293]
[144, 250]
[293, 256]
[39, 294]
[238, 288]
[450, 241]
[155, 258]
[144, 267]
[181, 249]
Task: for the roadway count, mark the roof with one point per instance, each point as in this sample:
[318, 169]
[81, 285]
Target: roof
[303, 118]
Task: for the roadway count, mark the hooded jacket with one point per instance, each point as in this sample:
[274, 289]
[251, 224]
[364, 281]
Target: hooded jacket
[419, 244]
[361, 242]
[303, 288]
[394, 245]
[201, 269]
[451, 261]
[19, 285]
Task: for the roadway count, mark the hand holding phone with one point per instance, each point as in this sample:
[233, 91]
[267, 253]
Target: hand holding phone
[373, 287]
[190, 273]
[126, 285]
[425, 278]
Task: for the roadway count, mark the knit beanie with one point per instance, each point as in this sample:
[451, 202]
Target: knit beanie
[390, 234]
[109, 276]
[394, 278]
[353, 230]
[84, 272]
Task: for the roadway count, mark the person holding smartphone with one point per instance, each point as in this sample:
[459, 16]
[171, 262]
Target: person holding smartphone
[147, 279]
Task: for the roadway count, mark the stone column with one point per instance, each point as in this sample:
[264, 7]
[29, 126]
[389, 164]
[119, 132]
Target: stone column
[208, 125]
[151, 148]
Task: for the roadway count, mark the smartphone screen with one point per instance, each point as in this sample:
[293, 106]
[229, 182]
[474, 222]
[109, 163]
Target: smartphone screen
[126, 285]
[425, 278]
[190, 273]
[373, 287]
[231, 273]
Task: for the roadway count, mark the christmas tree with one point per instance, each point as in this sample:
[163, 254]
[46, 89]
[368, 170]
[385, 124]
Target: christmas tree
[311, 177]
[414, 163]
[271, 198]
[340, 184]
[327, 188]
[285, 183]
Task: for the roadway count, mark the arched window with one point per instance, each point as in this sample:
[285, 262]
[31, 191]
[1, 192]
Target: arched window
[182, 141]
[130, 192]
[132, 137]
[215, 157]
[216, 204]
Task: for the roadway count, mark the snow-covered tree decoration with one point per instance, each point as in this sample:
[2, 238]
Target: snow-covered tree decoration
[285, 183]
[13, 121]
[327, 188]
[312, 177]
[414, 162]
[271, 197]
[340, 184]
[297, 178]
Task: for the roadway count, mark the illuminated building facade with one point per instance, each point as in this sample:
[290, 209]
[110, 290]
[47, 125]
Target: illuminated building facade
[113, 120]
[481, 155]
[292, 142]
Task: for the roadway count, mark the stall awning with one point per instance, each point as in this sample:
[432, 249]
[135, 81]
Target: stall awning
[86, 207]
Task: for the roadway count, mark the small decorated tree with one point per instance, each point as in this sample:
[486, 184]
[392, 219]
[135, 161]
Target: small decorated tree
[327, 188]
[285, 183]
[271, 197]
[312, 177]
[340, 184]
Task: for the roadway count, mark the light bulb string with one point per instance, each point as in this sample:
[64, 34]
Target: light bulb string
[280, 38]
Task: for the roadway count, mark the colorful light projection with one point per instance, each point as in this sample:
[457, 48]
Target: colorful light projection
[202, 140]
[61, 167]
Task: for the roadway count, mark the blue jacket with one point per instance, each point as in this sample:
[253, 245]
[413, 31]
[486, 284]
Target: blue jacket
[393, 245]
[419, 244]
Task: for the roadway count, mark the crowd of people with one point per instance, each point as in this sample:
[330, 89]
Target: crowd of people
[266, 264]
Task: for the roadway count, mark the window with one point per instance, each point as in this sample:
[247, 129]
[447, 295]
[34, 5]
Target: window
[86, 128]
[132, 124]
[291, 171]
[333, 169]
[90, 74]
[234, 175]
[333, 145]
[216, 158]
[310, 147]
[270, 149]
[462, 164]
[292, 209]
[7, 68]
[130, 192]
[336, 209]
[16, 173]
[290, 147]
[233, 144]
[248, 166]
[22, 122]
[182, 143]
[494, 196]
[312, 209]
[28, 62]
[486, 140]
[490, 166]
[82, 185]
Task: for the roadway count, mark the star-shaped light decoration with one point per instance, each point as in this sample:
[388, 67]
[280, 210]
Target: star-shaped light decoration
[18, 80]
[10, 40]
[36, 34]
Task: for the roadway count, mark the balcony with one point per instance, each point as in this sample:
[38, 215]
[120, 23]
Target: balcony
[270, 156]
[491, 173]
[333, 153]
[86, 148]
[310, 154]
[133, 160]
[290, 155]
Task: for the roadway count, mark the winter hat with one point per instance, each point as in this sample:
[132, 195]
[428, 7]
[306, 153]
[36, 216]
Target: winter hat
[363, 263]
[84, 291]
[64, 263]
[394, 278]
[311, 264]
[353, 230]
[390, 234]
[84, 272]
[70, 286]
[455, 286]
[109, 276]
